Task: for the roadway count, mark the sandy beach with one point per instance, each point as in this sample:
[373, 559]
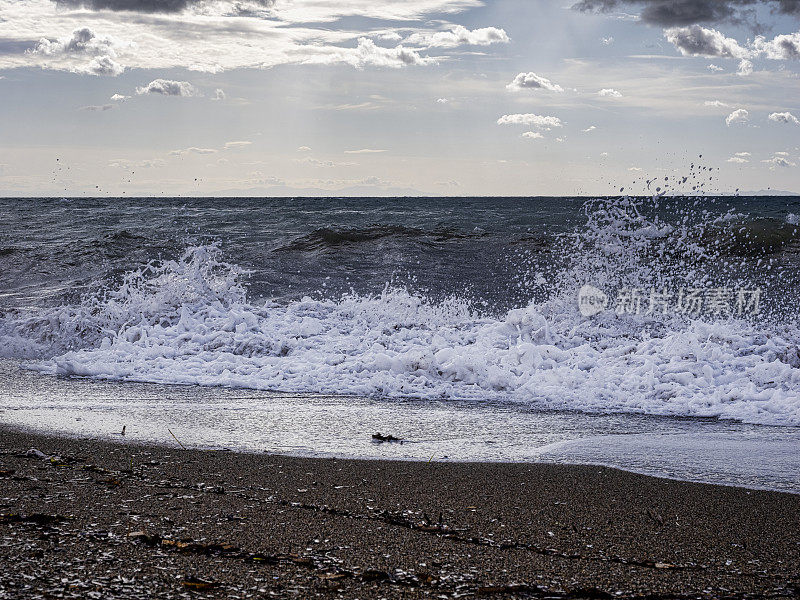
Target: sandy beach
[95, 519]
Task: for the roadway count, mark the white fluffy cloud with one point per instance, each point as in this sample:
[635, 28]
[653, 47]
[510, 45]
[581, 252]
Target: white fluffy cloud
[458, 36]
[193, 150]
[779, 161]
[104, 65]
[784, 117]
[609, 93]
[740, 115]
[781, 47]
[80, 52]
[699, 41]
[538, 121]
[168, 87]
[533, 135]
[589, 129]
[716, 104]
[532, 81]
[368, 53]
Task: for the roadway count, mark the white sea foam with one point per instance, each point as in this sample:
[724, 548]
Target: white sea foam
[180, 328]
[189, 321]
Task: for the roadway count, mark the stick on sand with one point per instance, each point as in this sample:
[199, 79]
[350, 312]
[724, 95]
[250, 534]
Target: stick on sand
[176, 439]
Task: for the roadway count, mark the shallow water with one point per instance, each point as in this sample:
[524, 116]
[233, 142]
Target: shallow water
[706, 450]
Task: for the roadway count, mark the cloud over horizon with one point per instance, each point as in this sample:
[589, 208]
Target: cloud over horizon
[784, 117]
[532, 81]
[459, 36]
[167, 87]
[740, 116]
[538, 121]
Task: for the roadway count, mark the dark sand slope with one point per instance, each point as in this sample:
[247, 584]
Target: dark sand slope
[227, 525]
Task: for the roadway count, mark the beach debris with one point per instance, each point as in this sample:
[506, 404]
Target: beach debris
[198, 583]
[192, 547]
[335, 575]
[189, 546]
[95, 469]
[380, 439]
[41, 519]
[176, 439]
[513, 588]
[35, 453]
[655, 516]
[264, 559]
[55, 459]
[144, 538]
[374, 575]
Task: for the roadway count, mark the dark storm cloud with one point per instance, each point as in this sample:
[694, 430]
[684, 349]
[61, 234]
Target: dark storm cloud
[676, 13]
[148, 6]
[789, 7]
[151, 6]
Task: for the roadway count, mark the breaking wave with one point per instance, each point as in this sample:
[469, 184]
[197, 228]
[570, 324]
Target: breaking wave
[190, 321]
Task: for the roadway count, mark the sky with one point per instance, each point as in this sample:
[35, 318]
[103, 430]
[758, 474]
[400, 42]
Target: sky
[395, 97]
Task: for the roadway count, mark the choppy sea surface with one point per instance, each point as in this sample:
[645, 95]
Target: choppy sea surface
[305, 325]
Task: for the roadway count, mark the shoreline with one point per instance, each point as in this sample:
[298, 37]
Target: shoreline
[117, 439]
[133, 520]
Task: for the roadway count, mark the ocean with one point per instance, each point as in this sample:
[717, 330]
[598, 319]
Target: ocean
[658, 334]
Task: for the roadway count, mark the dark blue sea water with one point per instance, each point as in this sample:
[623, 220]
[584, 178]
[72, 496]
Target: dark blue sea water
[53, 250]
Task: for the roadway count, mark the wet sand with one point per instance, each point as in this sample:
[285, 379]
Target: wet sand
[97, 519]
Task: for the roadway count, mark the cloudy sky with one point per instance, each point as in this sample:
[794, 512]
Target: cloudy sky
[440, 97]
